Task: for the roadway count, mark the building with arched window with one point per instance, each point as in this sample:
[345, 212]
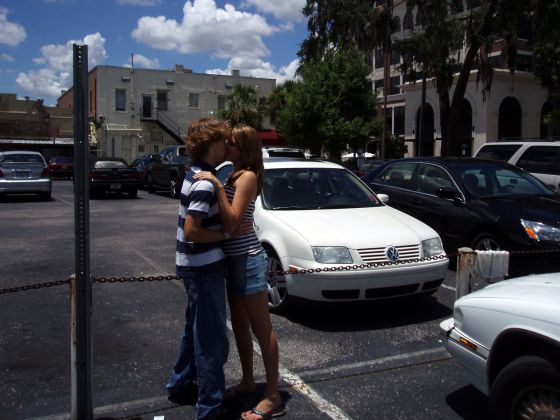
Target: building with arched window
[514, 108]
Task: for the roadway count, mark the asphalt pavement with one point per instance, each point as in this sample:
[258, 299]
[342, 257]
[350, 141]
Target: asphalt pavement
[376, 360]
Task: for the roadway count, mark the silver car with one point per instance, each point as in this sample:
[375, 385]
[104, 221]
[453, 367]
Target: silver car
[24, 172]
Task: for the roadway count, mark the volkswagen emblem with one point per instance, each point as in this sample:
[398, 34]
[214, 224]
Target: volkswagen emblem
[392, 253]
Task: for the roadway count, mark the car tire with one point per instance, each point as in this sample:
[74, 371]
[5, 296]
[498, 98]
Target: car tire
[174, 188]
[487, 241]
[46, 196]
[133, 193]
[278, 298]
[150, 186]
[528, 387]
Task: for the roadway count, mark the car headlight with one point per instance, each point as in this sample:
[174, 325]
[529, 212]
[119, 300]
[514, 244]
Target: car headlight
[432, 247]
[540, 232]
[332, 255]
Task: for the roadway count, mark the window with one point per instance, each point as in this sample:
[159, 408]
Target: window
[541, 159]
[408, 21]
[162, 100]
[398, 175]
[222, 99]
[379, 86]
[431, 178]
[399, 120]
[193, 100]
[457, 6]
[120, 99]
[379, 58]
[523, 62]
[419, 18]
[501, 152]
[394, 85]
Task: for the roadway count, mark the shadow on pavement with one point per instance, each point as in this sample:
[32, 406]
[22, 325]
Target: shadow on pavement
[469, 403]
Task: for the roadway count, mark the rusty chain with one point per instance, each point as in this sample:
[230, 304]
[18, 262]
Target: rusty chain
[278, 272]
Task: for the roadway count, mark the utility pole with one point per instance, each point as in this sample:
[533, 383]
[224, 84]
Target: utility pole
[386, 71]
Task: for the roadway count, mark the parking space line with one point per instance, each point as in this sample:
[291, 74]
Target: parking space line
[375, 362]
[151, 262]
[299, 385]
[448, 287]
[64, 201]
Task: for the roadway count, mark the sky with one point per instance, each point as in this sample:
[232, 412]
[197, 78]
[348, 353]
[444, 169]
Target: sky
[258, 37]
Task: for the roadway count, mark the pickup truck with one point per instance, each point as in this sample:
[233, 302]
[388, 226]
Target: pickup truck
[167, 172]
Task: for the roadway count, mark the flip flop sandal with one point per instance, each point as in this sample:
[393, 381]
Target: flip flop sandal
[277, 412]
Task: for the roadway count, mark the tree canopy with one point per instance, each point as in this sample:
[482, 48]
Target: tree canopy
[332, 105]
[243, 105]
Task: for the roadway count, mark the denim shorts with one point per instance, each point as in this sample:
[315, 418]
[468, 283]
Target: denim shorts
[246, 274]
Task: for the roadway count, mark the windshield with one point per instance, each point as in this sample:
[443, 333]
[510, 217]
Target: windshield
[21, 158]
[61, 160]
[497, 181]
[314, 188]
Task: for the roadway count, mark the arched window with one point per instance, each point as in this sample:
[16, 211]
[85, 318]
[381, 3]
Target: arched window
[425, 143]
[509, 119]
[408, 20]
[419, 18]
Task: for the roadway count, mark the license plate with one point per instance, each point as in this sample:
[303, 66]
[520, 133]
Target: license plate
[22, 174]
[64, 166]
[115, 186]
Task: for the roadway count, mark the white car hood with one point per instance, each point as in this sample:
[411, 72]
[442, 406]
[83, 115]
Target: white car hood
[543, 289]
[364, 227]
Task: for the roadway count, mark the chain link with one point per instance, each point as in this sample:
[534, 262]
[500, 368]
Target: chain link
[291, 271]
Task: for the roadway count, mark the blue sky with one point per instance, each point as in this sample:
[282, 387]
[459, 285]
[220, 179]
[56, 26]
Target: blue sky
[258, 37]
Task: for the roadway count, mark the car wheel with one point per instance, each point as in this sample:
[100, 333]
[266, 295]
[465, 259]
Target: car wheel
[174, 187]
[528, 387]
[46, 196]
[151, 188]
[277, 287]
[133, 193]
[487, 241]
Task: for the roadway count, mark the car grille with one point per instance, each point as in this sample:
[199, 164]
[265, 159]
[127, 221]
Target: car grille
[377, 255]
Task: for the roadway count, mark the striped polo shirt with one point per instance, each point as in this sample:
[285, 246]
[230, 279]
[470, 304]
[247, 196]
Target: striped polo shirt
[198, 199]
[246, 244]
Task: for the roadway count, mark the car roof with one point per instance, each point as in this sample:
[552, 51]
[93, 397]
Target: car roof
[451, 161]
[12, 152]
[283, 163]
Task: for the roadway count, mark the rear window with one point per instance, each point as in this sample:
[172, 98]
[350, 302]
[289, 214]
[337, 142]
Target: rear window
[500, 152]
[21, 158]
[109, 164]
[541, 159]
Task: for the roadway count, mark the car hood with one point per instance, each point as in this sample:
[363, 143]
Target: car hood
[542, 288]
[544, 209]
[356, 227]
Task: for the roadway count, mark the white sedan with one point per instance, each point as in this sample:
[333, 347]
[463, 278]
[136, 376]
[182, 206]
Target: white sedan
[318, 217]
[507, 337]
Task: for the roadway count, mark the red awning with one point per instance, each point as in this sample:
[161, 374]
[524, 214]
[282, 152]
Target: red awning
[271, 137]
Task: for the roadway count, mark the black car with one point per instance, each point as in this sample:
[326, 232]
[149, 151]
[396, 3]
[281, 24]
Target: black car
[476, 203]
[141, 165]
[110, 174]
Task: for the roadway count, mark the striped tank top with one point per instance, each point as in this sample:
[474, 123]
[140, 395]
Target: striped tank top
[246, 244]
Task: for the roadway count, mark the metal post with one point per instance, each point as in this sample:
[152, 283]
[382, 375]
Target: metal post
[465, 272]
[82, 405]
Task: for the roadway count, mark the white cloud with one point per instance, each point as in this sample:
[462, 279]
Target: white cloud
[139, 2]
[224, 33]
[45, 83]
[58, 61]
[10, 33]
[255, 67]
[286, 10]
[141, 61]
[6, 57]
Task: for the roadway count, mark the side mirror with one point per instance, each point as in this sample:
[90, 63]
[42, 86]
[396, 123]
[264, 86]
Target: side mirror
[384, 198]
[447, 193]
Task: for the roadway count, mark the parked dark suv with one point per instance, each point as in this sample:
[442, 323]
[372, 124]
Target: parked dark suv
[141, 164]
[168, 172]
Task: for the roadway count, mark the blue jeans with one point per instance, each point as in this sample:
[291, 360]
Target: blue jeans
[204, 346]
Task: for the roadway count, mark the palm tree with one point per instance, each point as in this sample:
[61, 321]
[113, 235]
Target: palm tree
[244, 106]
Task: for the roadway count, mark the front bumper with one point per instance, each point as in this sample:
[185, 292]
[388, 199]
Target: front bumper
[15, 186]
[364, 284]
[470, 354]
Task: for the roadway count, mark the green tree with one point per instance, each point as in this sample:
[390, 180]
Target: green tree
[546, 54]
[434, 48]
[331, 106]
[278, 99]
[243, 105]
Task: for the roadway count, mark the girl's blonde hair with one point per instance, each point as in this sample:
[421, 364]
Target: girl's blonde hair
[249, 143]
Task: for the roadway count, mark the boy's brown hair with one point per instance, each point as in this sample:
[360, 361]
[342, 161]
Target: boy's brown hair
[202, 133]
